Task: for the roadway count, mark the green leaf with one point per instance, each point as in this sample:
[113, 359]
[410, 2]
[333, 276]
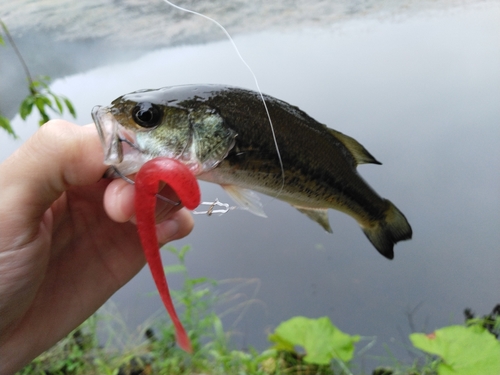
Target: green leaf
[45, 118]
[171, 249]
[5, 124]
[175, 268]
[464, 350]
[2, 42]
[42, 101]
[71, 109]
[183, 251]
[321, 340]
[35, 85]
[58, 103]
[280, 342]
[26, 107]
[44, 80]
[218, 328]
[199, 280]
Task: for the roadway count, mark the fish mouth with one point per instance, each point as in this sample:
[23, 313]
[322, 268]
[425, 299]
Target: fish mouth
[121, 151]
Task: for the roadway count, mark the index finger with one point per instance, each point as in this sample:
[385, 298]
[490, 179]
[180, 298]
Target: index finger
[58, 155]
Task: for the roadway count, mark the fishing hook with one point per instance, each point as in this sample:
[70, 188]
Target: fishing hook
[211, 208]
[129, 143]
[132, 182]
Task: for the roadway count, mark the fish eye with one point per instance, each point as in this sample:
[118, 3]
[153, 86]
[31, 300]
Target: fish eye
[147, 115]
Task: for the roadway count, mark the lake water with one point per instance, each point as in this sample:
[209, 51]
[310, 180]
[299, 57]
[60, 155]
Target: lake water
[421, 93]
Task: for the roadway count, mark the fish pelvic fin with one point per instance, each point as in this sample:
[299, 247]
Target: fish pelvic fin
[246, 199]
[319, 215]
[385, 233]
[359, 153]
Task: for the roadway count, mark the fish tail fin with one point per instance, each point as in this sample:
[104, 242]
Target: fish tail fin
[385, 233]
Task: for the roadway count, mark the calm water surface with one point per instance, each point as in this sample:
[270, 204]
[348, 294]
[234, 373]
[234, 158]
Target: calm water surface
[422, 95]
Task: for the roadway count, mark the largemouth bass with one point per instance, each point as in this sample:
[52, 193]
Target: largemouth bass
[224, 136]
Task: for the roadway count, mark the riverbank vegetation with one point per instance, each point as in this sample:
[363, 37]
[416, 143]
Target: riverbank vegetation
[297, 346]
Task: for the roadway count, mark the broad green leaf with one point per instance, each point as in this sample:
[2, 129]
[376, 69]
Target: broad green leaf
[2, 42]
[464, 350]
[321, 340]
[280, 342]
[5, 124]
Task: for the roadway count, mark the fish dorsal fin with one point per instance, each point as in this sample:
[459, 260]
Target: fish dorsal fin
[246, 199]
[360, 154]
[319, 215]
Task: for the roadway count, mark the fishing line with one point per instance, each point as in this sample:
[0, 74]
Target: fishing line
[254, 78]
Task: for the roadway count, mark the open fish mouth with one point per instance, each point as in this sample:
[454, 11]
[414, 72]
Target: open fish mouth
[198, 139]
[121, 150]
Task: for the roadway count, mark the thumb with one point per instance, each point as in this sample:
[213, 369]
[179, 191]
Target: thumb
[58, 155]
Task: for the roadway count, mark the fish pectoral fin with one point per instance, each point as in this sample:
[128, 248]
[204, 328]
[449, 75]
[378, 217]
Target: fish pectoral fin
[360, 154]
[319, 215]
[246, 199]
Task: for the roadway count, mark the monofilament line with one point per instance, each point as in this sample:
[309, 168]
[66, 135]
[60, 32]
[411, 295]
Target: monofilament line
[254, 78]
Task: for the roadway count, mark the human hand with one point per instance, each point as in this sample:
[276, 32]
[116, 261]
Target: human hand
[63, 252]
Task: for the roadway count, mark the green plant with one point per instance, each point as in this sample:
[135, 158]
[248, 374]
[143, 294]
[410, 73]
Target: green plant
[212, 351]
[43, 99]
[321, 340]
[196, 300]
[5, 124]
[464, 350]
[40, 96]
[328, 350]
[71, 355]
[491, 322]
[211, 343]
[458, 350]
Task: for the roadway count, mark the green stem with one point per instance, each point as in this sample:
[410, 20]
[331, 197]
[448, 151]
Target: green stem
[19, 56]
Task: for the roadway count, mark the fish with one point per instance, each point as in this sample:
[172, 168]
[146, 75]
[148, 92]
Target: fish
[224, 136]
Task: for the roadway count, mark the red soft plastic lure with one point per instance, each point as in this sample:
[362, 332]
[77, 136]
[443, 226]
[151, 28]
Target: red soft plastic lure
[184, 183]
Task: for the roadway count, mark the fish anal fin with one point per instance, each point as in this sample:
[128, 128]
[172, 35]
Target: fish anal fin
[319, 215]
[360, 154]
[246, 199]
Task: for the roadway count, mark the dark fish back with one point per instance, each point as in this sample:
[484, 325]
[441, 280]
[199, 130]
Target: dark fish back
[315, 162]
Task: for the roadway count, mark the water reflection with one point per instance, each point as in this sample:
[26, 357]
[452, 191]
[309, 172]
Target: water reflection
[422, 96]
